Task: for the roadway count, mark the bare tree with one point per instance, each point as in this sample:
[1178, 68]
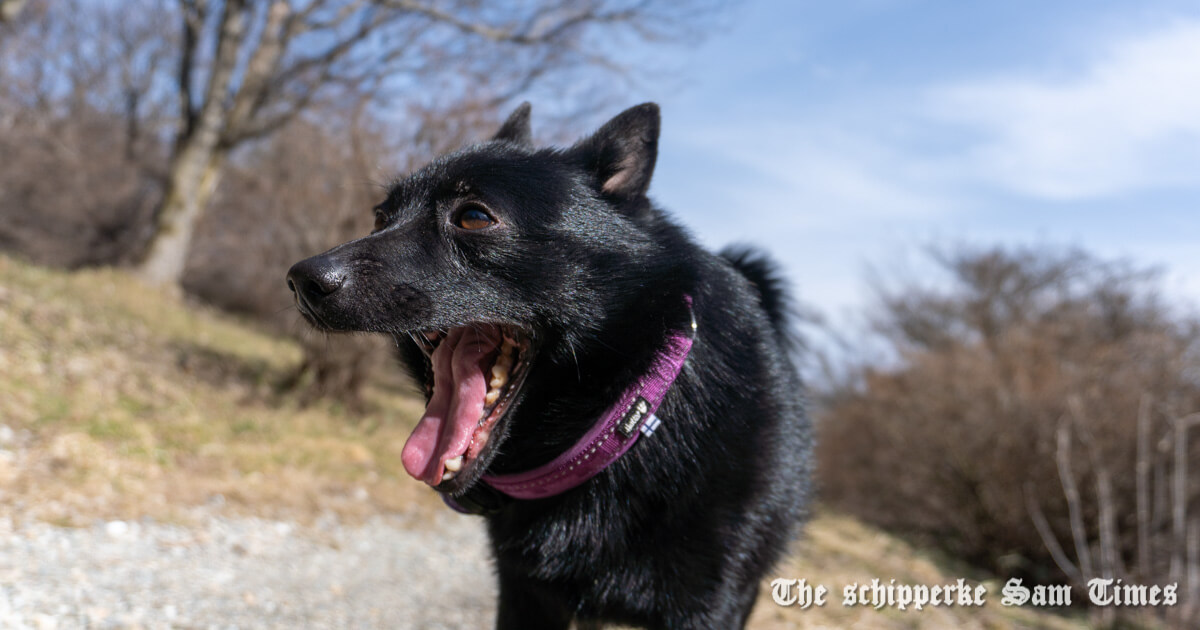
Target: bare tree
[247, 68]
[1165, 555]
[119, 125]
[998, 371]
[81, 121]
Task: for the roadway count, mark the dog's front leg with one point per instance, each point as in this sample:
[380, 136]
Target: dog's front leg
[528, 605]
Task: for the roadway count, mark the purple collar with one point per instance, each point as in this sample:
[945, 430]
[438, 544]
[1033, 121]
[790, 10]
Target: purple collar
[612, 435]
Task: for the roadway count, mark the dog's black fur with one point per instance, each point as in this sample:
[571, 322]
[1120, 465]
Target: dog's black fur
[678, 532]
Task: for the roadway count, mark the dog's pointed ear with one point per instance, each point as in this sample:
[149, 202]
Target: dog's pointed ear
[622, 153]
[516, 129]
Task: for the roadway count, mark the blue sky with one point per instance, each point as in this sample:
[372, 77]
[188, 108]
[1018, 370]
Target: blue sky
[846, 135]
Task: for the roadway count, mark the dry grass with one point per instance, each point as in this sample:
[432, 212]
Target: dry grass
[128, 402]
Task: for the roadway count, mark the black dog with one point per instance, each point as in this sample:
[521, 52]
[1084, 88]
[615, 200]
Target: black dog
[547, 307]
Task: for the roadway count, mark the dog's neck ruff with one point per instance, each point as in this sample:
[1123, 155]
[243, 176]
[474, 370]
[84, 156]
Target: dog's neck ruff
[612, 435]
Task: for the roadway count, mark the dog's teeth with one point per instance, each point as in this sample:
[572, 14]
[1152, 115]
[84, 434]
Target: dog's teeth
[499, 375]
[447, 476]
[491, 396]
[454, 464]
[505, 361]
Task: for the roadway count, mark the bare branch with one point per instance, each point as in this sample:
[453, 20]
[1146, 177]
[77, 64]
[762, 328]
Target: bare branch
[1062, 457]
[302, 22]
[265, 124]
[1111, 564]
[340, 48]
[259, 70]
[193, 22]
[511, 35]
[1179, 512]
[1110, 552]
[1048, 538]
[1142, 472]
[1193, 570]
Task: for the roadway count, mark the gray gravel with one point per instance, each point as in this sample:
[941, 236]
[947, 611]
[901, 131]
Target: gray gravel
[247, 573]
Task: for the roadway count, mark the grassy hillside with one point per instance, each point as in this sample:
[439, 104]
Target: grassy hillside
[118, 402]
[120, 399]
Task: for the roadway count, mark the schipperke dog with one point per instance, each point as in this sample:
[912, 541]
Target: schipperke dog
[617, 402]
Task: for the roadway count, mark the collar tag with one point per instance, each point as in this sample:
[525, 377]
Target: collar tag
[650, 425]
[633, 419]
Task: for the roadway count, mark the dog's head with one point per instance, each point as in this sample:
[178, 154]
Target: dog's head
[488, 261]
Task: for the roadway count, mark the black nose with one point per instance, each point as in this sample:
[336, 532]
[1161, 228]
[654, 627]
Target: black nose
[314, 279]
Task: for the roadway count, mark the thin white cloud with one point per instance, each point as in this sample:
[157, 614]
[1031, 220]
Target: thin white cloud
[1129, 121]
[812, 176]
[835, 182]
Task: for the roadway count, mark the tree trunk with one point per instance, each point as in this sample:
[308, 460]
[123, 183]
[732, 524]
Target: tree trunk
[190, 185]
[199, 153]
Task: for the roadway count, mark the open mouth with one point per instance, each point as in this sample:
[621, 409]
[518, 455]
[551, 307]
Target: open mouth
[477, 373]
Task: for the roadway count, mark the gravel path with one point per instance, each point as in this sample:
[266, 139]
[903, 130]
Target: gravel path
[247, 573]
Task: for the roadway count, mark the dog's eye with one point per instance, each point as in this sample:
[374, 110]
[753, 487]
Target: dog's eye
[380, 219]
[473, 217]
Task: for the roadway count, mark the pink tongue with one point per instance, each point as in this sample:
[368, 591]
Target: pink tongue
[459, 387]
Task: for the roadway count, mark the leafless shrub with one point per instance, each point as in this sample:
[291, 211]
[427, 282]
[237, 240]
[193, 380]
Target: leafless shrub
[1164, 554]
[1018, 356]
[65, 202]
[80, 131]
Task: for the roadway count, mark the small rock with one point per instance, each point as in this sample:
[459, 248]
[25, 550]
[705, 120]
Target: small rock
[116, 529]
